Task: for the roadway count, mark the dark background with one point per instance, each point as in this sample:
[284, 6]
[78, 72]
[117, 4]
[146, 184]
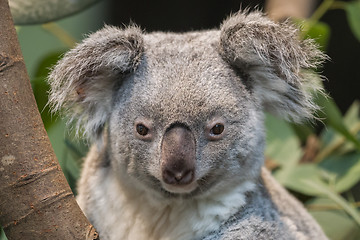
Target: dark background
[342, 71]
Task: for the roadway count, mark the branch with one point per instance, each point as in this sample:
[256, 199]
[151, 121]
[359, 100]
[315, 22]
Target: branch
[283, 9]
[35, 199]
[43, 11]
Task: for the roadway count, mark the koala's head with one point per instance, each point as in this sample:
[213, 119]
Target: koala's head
[183, 113]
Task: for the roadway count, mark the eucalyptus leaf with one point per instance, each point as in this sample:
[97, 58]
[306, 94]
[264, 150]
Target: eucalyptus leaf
[346, 168]
[281, 141]
[338, 199]
[331, 138]
[46, 63]
[2, 234]
[353, 15]
[352, 115]
[40, 90]
[303, 131]
[283, 146]
[57, 134]
[297, 175]
[333, 117]
[78, 149]
[352, 122]
[320, 32]
[335, 222]
[340, 173]
[43, 11]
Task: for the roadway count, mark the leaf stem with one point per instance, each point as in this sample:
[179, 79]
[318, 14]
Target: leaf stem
[60, 33]
[338, 5]
[338, 199]
[320, 11]
[325, 207]
[334, 146]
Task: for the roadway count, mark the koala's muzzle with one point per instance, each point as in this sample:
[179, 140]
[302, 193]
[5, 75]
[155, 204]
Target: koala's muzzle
[178, 156]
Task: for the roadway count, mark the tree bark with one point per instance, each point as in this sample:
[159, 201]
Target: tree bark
[42, 11]
[35, 199]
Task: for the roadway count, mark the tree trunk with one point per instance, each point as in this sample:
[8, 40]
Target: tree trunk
[35, 199]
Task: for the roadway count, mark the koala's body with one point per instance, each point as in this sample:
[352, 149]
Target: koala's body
[178, 131]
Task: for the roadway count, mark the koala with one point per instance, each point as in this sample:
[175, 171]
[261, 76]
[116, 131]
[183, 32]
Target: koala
[176, 122]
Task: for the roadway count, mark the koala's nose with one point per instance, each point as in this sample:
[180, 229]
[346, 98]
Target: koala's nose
[178, 156]
[180, 177]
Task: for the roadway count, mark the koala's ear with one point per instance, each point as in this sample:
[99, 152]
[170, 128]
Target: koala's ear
[85, 79]
[276, 62]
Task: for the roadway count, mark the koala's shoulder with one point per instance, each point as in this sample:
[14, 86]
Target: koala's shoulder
[271, 213]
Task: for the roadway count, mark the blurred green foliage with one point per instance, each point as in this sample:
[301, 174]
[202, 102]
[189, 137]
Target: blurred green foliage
[321, 168]
[325, 172]
[352, 12]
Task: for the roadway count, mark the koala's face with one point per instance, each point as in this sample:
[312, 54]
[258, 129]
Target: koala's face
[184, 123]
[184, 111]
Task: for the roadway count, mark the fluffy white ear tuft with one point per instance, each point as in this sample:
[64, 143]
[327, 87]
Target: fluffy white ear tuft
[84, 80]
[278, 64]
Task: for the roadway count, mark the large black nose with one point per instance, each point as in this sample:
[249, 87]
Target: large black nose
[178, 156]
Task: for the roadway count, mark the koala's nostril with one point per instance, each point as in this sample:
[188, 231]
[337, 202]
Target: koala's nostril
[175, 177]
[186, 177]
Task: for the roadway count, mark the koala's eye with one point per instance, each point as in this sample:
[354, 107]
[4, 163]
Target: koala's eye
[142, 130]
[217, 129]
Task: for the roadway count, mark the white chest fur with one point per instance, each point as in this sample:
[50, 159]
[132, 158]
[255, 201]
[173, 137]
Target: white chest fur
[137, 215]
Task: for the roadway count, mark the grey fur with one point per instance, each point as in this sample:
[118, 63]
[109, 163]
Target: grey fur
[276, 60]
[120, 78]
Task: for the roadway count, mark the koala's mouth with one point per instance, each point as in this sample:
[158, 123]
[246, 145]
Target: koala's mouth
[195, 188]
[180, 189]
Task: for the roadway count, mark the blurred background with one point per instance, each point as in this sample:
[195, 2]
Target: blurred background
[318, 162]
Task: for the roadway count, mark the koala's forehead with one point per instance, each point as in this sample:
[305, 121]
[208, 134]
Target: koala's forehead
[184, 75]
[182, 56]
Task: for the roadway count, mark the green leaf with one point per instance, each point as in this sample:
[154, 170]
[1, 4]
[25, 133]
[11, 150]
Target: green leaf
[297, 175]
[41, 88]
[353, 15]
[333, 117]
[339, 173]
[352, 115]
[336, 143]
[69, 162]
[339, 200]
[320, 32]
[78, 149]
[282, 146]
[335, 222]
[281, 141]
[46, 63]
[346, 168]
[303, 131]
[352, 118]
[352, 122]
[2, 234]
